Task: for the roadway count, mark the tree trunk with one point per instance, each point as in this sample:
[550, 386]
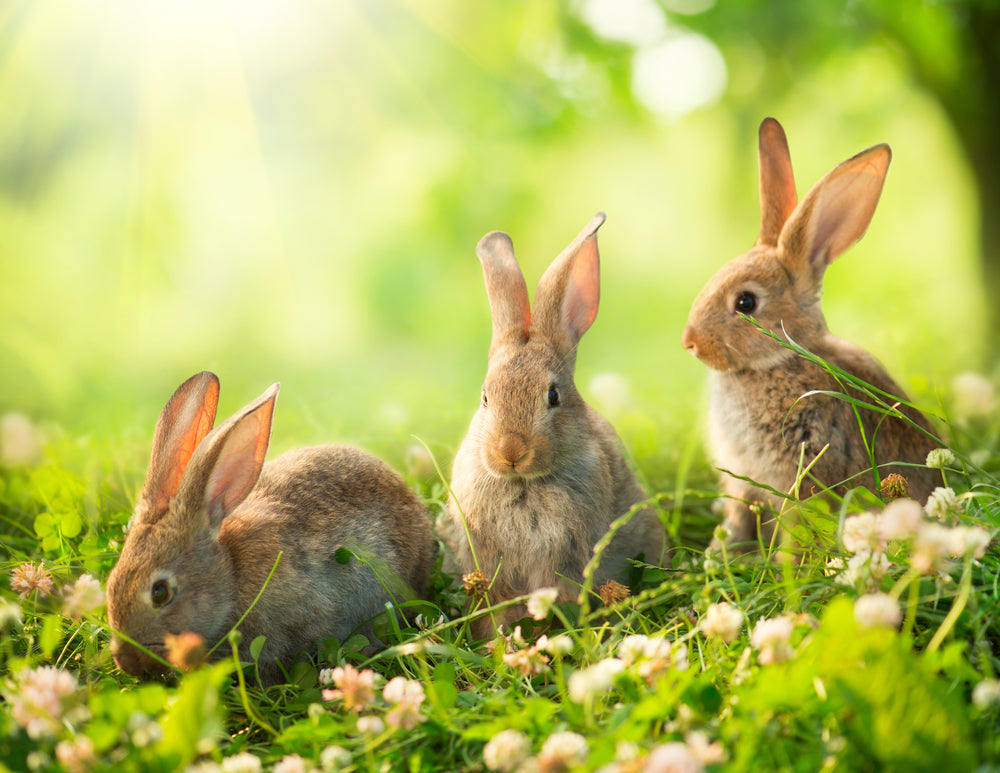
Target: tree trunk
[969, 95]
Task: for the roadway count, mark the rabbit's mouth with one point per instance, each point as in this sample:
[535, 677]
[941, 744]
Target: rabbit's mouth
[510, 472]
[512, 458]
[139, 662]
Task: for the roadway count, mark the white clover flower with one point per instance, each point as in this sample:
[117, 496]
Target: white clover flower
[860, 533]
[705, 752]
[527, 662]
[980, 457]
[986, 694]
[506, 750]
[244, 762]
[611, 392]
[771, 636]
[206, 766]
[673, 757]
[626, 751]
[943, 503]
[370, 725]
[356, 689]
[77, 755]
[42, 700]
[517, 638]
[406, 695]
[722, 621]
[20, 441]
[334, 758]
[901, 519]
[563, 750]
[28, 578]
[969, 541]
[679, 657]
[401, 690]
[939, 458]
[931, 547]
[540, 602]
[877, 609]
[975, 396]
[864, 567]
[425, 621]
[635, 647]
[290, 763]
[145, 731]
[834, 566]
[83, 597]
[557, 645]
[596, 680]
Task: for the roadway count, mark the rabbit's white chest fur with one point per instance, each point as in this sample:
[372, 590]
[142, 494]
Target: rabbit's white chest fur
[736, 437]
[759, 428]
[765, 424]
[532, 530]
[533, 525]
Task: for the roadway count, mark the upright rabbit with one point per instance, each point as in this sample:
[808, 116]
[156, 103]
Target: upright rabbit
[764, 407]
[540, 476]
[212, 520]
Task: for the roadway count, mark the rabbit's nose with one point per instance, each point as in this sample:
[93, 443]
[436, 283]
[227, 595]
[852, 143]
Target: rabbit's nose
[510, 450]
[128, 658]
[688, 341]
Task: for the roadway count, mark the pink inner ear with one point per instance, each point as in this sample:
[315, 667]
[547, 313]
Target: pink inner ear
[183, 424]
[777, 182]
[846, 203]
[240, 461]
[525, 304]
[583, 290]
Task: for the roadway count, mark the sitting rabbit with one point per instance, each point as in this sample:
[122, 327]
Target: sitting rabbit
[767, 410]
[540, 475]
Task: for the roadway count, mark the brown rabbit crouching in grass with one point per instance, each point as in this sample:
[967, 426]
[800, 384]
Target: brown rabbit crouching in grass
[764, 415]
[212, 519]
[540, 475]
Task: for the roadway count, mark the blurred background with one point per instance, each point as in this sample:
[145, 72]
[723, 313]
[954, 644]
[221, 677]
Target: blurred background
[292, 190]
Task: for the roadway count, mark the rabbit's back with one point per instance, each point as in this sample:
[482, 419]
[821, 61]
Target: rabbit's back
[307, 505]
[358, 496]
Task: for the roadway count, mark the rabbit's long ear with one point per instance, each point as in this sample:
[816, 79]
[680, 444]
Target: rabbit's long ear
[228, 463]
[569, 291]
[184, 421]
[834, 214]
[506, 289]
[777, 183]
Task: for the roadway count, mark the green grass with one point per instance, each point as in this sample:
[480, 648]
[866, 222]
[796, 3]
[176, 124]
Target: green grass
[834, 696]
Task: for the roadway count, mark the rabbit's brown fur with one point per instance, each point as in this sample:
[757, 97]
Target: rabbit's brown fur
[540, 475]
[763, 420]
[212, 519]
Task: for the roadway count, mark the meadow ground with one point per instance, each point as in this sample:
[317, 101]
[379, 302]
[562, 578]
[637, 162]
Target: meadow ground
[874, 649]
[294, 191]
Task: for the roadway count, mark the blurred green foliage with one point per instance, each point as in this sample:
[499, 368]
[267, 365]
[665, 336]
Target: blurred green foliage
[293, 191]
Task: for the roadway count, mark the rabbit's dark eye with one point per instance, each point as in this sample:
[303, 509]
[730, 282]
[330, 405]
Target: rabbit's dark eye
[746, 302]
[160, 593]
[485, 401]
[553, 396]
